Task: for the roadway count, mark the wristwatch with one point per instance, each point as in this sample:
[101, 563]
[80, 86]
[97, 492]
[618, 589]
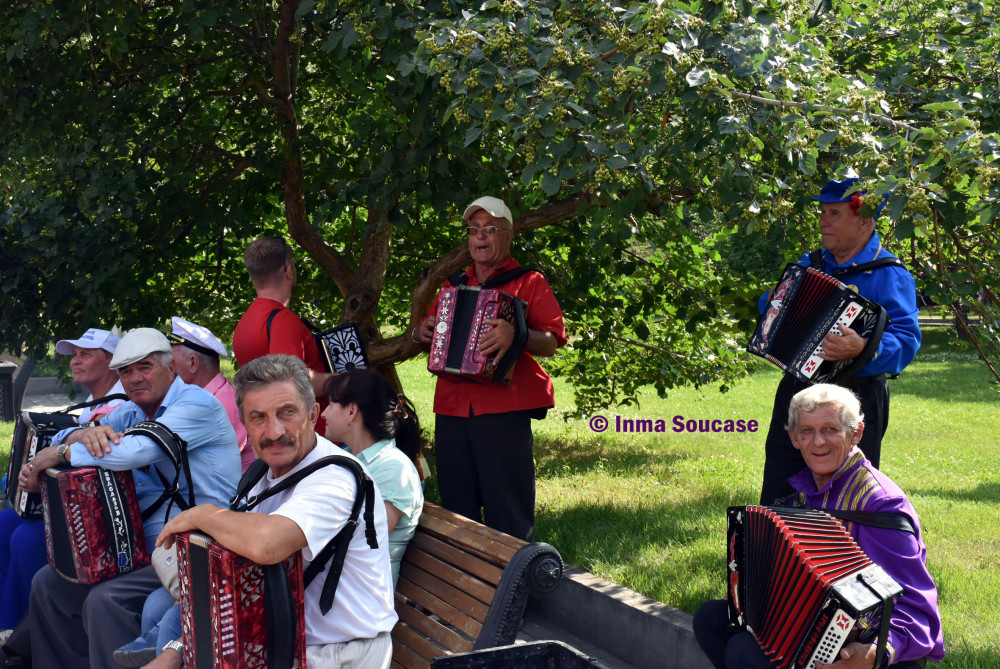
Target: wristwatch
[61, 453]
[175, 645]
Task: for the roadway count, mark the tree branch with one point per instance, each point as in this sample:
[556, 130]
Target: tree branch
[885, 120]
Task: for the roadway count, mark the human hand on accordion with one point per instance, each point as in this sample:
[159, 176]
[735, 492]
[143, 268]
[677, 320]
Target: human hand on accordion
[853, 655]
[97, 440]
[498, 339]
[848, 344]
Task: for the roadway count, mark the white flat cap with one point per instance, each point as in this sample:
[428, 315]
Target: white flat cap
[137, 344]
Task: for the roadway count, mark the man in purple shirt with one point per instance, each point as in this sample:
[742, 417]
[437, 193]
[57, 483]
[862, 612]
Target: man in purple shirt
[825, 425]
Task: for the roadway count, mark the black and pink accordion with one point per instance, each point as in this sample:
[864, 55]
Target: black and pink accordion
[805, 306]
[93, 527]
[459, 325]
[32, 432]
[799, 583]
[236, 613]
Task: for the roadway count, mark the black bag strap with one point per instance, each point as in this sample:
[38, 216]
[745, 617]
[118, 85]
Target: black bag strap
[99, 400]
[175, 447]
[336, 548]
[816, 260]
[270, 319]
[460, 278]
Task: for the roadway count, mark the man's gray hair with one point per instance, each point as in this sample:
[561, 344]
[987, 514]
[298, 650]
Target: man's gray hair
[825, 394]
[270, 369]
[165, 359]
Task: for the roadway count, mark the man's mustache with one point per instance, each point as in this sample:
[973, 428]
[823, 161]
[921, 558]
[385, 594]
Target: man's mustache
[283, 440]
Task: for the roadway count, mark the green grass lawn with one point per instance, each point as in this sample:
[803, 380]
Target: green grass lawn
[647, 510]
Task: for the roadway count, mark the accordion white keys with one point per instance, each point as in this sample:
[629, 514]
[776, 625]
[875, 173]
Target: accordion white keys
[805, 306]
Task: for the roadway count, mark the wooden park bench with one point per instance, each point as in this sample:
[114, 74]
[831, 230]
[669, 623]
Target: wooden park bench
[466, 587]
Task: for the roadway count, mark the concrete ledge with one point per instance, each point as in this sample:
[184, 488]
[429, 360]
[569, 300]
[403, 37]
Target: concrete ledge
[639, 630]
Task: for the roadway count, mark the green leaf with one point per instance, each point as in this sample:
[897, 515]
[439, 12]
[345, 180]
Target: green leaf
[551, 184]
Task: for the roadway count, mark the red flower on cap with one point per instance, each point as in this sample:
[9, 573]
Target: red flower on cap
[856, 201]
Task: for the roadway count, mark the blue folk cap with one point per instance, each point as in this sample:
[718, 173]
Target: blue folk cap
[842, 191]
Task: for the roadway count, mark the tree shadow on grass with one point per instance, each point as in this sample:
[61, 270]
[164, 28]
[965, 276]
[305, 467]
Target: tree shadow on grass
[956, 382]
[984, 492]
[556, 456]
[592, 534]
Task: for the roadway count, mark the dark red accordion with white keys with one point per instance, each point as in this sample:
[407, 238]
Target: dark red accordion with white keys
[93, 527]
[236, 613]
[805, 306]
[800, 584]
[459, 325]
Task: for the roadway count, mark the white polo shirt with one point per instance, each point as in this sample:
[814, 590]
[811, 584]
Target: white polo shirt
[320, 505]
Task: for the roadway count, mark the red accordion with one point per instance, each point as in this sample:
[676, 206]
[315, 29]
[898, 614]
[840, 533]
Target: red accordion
[799, 583]
[32, 433]
[459, 325]
[93, 527]
[805, 306]
[236, 613]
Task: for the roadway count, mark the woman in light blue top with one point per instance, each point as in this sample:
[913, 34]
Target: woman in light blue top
[382, 430]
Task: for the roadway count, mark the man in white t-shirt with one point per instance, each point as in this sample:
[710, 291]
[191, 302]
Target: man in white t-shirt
[279, 410]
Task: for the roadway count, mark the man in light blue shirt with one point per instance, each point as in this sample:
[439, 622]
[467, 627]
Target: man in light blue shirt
[92, 621]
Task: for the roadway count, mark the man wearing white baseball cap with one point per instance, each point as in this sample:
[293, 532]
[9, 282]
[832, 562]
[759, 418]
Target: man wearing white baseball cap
[91, 356]
[74, 625]
[196, 354]
[486, 468]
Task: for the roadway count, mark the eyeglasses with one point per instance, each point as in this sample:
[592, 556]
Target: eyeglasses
[488, 230]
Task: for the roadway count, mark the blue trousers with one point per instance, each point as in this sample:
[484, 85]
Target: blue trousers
[22, 554]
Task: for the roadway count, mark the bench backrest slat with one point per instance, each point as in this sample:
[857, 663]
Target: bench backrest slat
[484, 570]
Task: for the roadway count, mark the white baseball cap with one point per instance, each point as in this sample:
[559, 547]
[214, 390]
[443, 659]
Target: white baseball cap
[92, 338]
[137, 344]
[494, 206]
[196, 337]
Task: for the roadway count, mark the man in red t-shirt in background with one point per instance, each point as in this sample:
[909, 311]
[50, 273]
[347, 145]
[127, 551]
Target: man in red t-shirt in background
[482, 432]
[269, 326]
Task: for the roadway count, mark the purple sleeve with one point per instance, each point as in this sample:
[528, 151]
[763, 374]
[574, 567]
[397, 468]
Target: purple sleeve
[916, 622]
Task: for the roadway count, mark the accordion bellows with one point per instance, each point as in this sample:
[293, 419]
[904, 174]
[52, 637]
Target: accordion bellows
[93, 526]
[805, 306]
[459, 325]
[799, 583]
[225, 602]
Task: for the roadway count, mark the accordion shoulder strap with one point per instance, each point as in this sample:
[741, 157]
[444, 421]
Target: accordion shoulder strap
[460, 278]
[336, 548]
[816, 260]
[881, 519]
[175, 447]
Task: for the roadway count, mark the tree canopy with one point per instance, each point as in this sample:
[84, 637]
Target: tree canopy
[659, 159]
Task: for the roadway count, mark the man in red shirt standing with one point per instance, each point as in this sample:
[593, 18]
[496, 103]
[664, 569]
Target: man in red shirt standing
[269, 326]
[483, 431]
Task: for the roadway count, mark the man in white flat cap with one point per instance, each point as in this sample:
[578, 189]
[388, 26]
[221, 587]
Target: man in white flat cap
[196, 358]
[74, 625]
[486, 469]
